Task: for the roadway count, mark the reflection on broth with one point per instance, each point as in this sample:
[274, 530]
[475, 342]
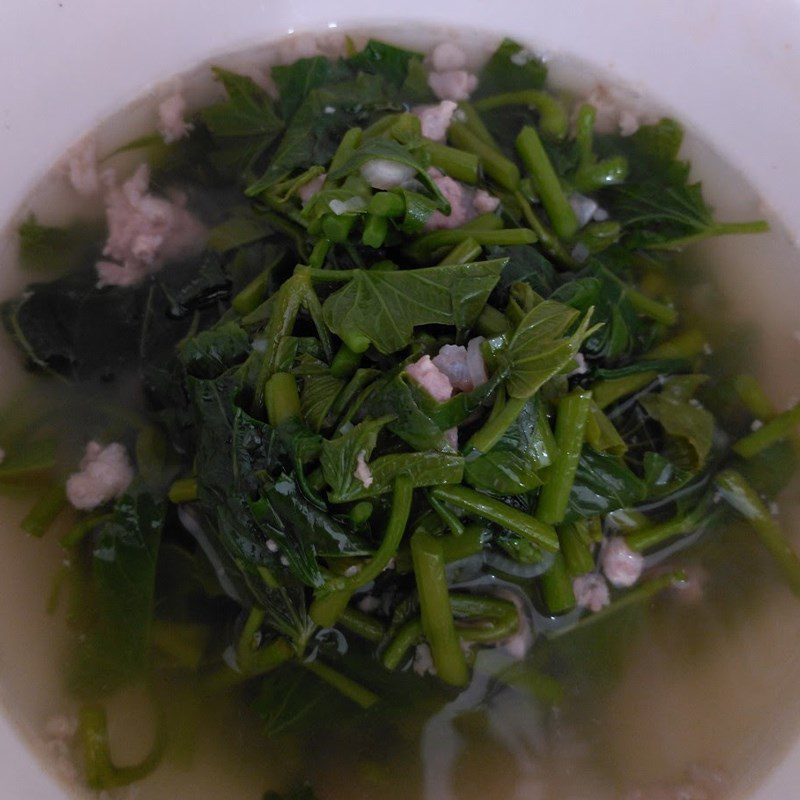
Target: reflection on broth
[682, 687]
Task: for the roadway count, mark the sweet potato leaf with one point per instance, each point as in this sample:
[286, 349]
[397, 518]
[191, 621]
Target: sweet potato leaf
[340, 457]
[539, 350]
[509, 69]
[385, 307]
[114, 648]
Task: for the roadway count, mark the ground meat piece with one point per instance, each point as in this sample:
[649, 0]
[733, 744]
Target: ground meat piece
[82, 168]
[145, 231]
[460, 199]
[426, 375]
[171, 123]
[105, 474]
[622, 566]
[464, 366]
[447, 56]
[455, 85]
[435, 120]
[591, 591]
[484, 202]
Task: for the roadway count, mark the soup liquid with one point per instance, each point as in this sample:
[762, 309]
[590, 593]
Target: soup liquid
[657, 696]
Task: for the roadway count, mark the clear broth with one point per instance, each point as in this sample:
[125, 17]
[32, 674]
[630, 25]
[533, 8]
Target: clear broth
[709, 684]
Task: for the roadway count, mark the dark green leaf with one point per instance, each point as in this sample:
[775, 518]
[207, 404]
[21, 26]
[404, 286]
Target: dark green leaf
[603, 483]
[682, 418]
[339, 458]
[42, 247]
[395, 397]
[115, 648]
[503, 73]
[511, 466]
[424, 469]
[538, 349]
[385, 307]
[297, 80]
[386, 60]
[212, 352]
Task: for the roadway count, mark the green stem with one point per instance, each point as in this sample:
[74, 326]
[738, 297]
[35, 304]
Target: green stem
[45, 511]
[660, 312]
[574, 541]
[464, 252]
[754, 397]
[573, 414]
[556, 587]
[184, 490]
[651, 536]
[780, 427]
[319, 253]
[81, 529]
[362, 625]
[547, 238]
[492, 322]
[408, 635]
[359, 694]
[435, 610]
[248, 641]
[686, 345]
[425, 246]
[607, 392]
[455, 163]
[718, 229]
[514, 520]
[553, 119]
[448, 517]
[638, 594]
[494, 163]
[469, 543]
[738, 492]
[100, 771]
[548, 185]
[336, 593]
[375, 230]
[474, 123]
[345, 362]
[386, 204]
[486, 437]
[281, 398]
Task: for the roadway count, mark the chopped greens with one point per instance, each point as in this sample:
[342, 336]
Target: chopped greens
[344, 393]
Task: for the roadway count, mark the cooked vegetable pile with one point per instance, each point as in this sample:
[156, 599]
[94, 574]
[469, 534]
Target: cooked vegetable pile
[368, 434]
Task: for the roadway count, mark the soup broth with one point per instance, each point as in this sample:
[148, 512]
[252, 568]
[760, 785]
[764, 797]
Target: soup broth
[692, 687]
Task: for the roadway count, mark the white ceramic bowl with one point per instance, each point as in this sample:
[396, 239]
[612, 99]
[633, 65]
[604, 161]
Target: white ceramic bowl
[731, 69]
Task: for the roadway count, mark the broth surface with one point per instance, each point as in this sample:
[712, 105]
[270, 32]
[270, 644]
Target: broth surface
[708, 685]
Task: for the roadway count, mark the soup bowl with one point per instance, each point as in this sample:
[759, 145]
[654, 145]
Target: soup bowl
[729, 70]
